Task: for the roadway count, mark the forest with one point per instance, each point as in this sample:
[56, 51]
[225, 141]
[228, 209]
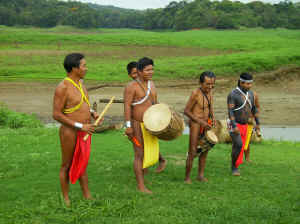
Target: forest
[183, 15]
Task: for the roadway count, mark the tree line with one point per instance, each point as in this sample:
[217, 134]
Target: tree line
[181, 15]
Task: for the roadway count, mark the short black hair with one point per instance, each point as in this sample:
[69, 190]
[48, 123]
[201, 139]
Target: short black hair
[130, 66]
[245, 76]
[72, 61]
[143, 62]
[207, 74]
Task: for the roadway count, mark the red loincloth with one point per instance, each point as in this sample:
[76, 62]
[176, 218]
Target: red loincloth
[81, 157]
[243, 133]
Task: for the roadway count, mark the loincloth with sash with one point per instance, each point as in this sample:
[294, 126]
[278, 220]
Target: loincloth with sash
[151, 145]
[82, 150]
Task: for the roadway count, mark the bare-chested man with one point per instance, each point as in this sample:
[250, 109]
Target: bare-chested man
[199, 109]
[241, 107]
[139, 95]
[133, 73]
[71, 108]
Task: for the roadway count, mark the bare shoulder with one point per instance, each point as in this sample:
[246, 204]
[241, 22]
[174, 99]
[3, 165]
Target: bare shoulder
[131, 85]
[61, 88]
[195, 93]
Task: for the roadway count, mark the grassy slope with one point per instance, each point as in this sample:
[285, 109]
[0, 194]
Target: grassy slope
[38, 53]
[267, 191]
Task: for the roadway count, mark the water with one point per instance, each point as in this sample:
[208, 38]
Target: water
[280, 133]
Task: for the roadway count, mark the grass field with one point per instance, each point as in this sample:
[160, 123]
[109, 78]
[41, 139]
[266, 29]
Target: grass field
[267, 191]
[34, 53]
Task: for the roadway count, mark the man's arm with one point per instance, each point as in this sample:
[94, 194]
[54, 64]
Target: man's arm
[129, 93]
[255, 111]
[59, 101]
[231, 106]
[188, 111]
[94, 114]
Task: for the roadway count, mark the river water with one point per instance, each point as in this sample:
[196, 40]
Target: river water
[279, 133]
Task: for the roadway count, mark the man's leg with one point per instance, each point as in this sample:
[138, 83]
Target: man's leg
[68, 142]
[194, 133]
[247, 154]
[83, 181]
[162, 164]
[201, 166]
[138, 159]
[237, 145]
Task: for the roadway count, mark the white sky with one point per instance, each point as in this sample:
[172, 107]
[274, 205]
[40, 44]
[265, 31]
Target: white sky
[144, 4]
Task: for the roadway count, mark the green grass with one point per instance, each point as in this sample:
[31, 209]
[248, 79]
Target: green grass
[35, 53]
[267, 191]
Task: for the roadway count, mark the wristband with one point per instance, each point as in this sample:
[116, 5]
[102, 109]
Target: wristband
[92, 110]
[233, 124]
[78, 125]
[128, 124]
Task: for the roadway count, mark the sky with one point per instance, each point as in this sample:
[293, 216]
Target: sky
[144, 4]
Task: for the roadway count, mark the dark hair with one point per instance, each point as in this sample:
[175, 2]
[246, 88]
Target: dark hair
[245, 76]
[207, 74]
[131, 66]
[143, 62]
[72, 61]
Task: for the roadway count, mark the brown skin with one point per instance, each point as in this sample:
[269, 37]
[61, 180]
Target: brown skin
[67, 96]
[198, 118]
[132, 93]
[133, 74]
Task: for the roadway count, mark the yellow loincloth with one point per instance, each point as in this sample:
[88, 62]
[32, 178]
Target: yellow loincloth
[151, 148]
[249, 134]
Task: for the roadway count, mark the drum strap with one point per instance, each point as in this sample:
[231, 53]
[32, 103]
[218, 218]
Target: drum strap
[208, 102]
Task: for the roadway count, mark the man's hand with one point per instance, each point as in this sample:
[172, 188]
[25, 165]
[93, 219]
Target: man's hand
[236, 130]
[95, 115]
[129, 132]
[204, 124]
[257, 130]
[89, 128]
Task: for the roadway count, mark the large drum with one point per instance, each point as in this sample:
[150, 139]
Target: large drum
[163, 122]
[208, 141]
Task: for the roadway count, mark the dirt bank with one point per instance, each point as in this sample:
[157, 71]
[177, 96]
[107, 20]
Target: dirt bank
[279, 93]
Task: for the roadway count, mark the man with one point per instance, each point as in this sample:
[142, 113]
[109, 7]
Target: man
[139, 95]
[241, 106]
[132, 70]
[71, 108]
[199, 109]
[133, 73]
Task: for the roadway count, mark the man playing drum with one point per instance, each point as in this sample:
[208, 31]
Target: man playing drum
[71, 108]
[139, 95]
[199, 109]
[241, 106]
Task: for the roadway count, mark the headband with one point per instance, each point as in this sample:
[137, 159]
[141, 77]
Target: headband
[247, 81]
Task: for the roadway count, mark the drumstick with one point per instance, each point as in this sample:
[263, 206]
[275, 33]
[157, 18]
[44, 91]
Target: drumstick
[100, 116]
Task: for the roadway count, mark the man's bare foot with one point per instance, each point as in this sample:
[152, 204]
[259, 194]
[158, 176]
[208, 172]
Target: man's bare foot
[162, 165]
[145, 190]
[188, 181]
[67, 202]
[202, 179]
[248, 160]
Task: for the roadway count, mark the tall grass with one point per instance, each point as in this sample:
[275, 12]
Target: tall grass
[267, 191]
[34, 53]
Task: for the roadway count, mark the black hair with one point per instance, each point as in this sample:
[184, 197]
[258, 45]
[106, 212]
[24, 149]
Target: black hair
[131, 66]
[72, 61]
[245, 76]
[207, 74]
[143, 62]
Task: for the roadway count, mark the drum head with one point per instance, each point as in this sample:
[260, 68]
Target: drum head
[157, 117]
[211, 137]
